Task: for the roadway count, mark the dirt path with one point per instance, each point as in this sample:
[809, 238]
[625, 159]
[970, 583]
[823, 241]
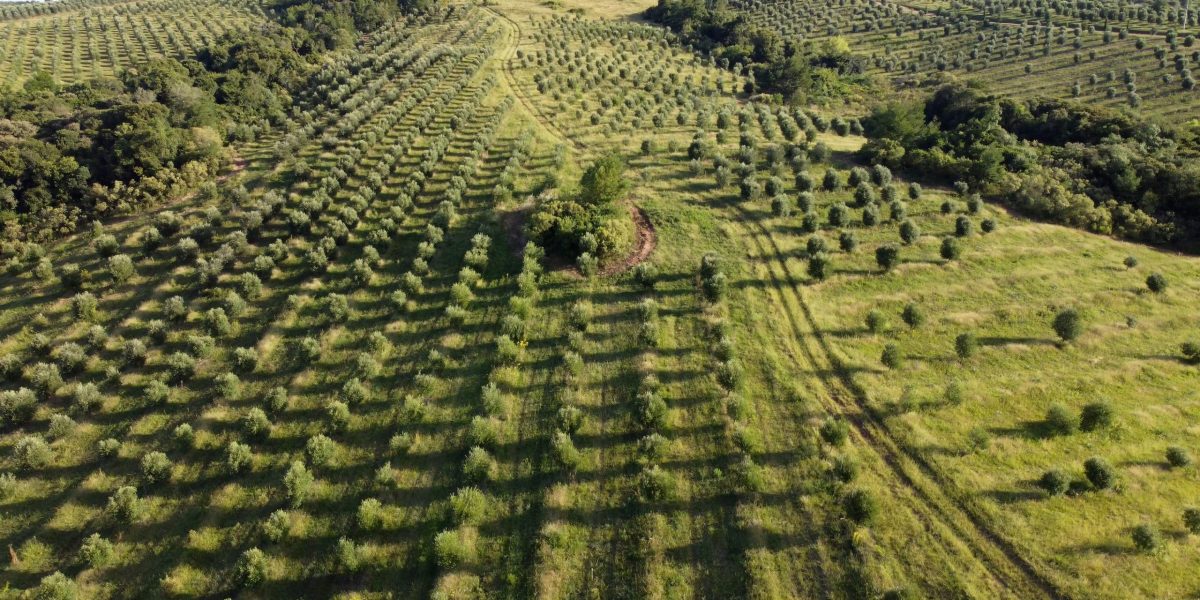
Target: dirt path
[643, 247]
[506, 56]
[920, 487]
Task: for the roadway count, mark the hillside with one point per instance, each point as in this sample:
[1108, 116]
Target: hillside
[529, 300]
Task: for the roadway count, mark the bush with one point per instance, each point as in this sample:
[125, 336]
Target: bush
[238, 457]
[156, 393]
[184, 435]
[32, 452]
[860, 506]
[479, 466]
[338, 414]
[483, 432]
[180, 367]
[887, 256]
[156, 467]
[348, 554]
[227, 386]
[951, 249]
[1156, 283]
[255, 423]
[17, 406]
[276, 398]
[656, 484]
[298, 481]
[120, 268]
[70, 357]
[819, 266]
[909, 232]
[1146, 538]
[108, 447]
[965, 345]
[839, 215]
[95, 551]
[834, 432]
[133, 352]
[844, 469]
[646, 274]
[715, 286]
[84, 306]
[847, 241]
[892, 357]
[60, 426]
[468, 506]
[912, 315]
[252, 568]
[963, 226]
[454, 548]
[1060, 421]
[1099, 473]
[1178, 457]
[1096, 415]
[1190, 352]
[245, 359]
[1068, 324]
[565, 453]
[507, 351]
[56, 586]
[876, 322]
[124, 505]
[305, 351]
[1191, 520]
[1055, 482]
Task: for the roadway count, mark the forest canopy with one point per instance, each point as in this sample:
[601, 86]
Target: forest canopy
[69, 154]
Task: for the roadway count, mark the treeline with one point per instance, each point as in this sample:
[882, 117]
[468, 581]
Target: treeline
[1089, 167]
[805, 72]
[72, 154]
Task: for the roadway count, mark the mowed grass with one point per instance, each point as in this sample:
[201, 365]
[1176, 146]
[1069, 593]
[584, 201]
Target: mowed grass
[1006, 291]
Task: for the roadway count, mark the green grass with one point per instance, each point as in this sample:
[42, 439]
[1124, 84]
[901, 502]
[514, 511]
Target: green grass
[753, 507]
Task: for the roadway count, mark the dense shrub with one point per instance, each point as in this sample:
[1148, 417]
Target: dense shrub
[124, 504]
[1156, 283]
[468, 506]
[56, 586]
[1068, 324]
[1178, 457]
[1099, 473]
[912, 315]
[95, 552]
[887, 256]
[479, 466]
[860, 506]
[1146, 538]
[1055, 482]
[238, 457]
[1096, 415]
[252, 568]
[454, 548]
[892, 357]
[951, 248]
[965, 345]
[32, 452]
[156, 467]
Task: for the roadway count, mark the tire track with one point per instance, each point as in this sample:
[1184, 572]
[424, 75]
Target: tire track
[511, 81]
[1003, 562]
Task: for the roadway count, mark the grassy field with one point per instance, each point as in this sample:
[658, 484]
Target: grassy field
[498, 431]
